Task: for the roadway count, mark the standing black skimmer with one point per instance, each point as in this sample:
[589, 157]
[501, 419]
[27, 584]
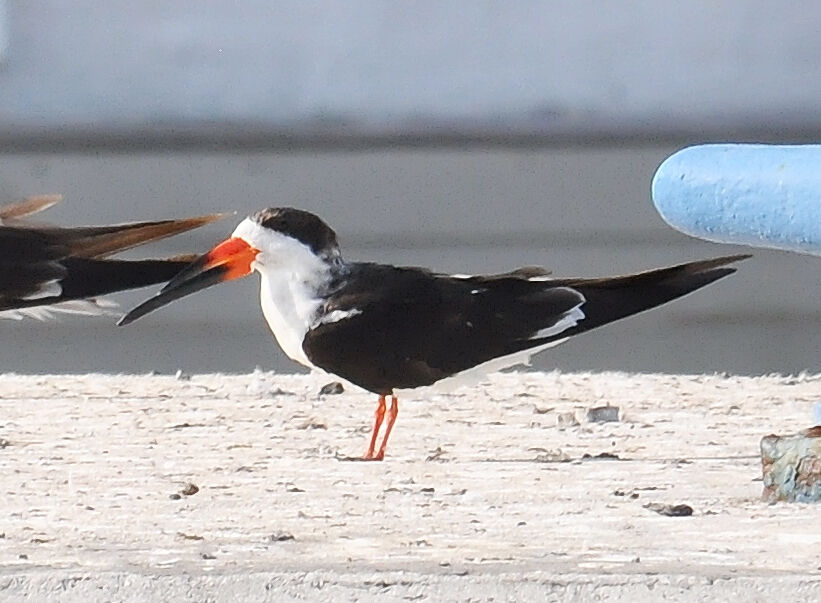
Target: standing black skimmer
[387, 328]
[48, 268]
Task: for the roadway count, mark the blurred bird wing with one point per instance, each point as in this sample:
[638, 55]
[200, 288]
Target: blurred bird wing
[103, 241]
[26, 207]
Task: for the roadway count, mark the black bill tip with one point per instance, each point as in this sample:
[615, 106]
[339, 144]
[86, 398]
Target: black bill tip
[195, 282]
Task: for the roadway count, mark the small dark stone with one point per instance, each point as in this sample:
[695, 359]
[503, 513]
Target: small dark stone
[185, 536]
[331, 389]
[208, 556]
[791, 466]
[609, 456]
[312, 424]
[670, 510]
[174, 496]
[280, 537]
[189, 490]
[186, 425]
[22, 556]
[603, 414]
[4, 443]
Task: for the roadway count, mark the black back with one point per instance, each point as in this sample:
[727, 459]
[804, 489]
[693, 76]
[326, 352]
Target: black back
[415, 327]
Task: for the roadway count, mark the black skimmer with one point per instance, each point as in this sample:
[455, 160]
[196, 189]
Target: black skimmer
[46, 269]
[387, 328]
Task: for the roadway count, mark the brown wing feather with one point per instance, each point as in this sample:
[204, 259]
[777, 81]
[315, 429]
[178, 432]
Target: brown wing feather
[26, 207]
[103, 241]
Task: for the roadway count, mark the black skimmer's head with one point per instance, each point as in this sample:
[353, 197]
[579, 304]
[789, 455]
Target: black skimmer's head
[296, 255]
[45, 269]
[387, 328]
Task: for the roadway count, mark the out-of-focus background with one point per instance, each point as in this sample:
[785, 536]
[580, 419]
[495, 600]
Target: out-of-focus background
[466, 136]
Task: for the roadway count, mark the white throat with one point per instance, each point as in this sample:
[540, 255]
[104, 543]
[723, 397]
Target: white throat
[290, 304]
[292, 278]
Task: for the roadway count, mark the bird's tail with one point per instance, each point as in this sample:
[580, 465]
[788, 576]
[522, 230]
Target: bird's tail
[91, 278]
[96, 241]
[103, 241]
[10, 212]
[610, 299]
[74, 258]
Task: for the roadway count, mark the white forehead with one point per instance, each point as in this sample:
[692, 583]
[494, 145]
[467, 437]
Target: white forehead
[249, 231]
[277, 249]
[264, 239]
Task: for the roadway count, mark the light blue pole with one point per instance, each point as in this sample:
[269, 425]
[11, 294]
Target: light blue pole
[744, 194]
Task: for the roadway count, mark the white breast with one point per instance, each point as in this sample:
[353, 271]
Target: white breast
[291, 279]
[289, 308]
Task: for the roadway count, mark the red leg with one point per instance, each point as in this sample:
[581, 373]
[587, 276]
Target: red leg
[377, 423]
[394, 410]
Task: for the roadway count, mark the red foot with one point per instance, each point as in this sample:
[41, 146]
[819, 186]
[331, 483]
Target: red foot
[377, 423]
[370, 455]
[392, 414]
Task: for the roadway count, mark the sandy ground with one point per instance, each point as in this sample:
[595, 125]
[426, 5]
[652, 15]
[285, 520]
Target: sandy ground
[483, 496]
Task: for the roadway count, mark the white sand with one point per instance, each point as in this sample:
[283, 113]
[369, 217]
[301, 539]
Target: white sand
[465, 505]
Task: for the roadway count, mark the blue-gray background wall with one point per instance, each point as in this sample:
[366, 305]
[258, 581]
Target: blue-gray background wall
[374, 68]
[461, 135]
